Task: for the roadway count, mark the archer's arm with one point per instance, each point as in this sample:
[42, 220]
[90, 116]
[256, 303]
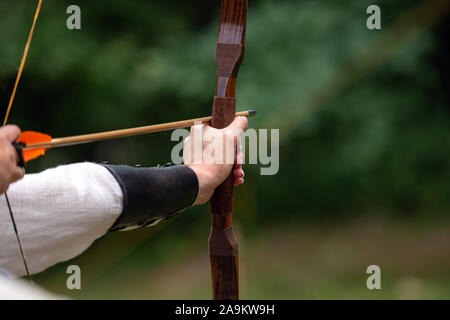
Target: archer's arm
[60, 212]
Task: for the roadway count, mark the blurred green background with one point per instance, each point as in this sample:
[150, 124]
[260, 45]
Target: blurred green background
[364, 119]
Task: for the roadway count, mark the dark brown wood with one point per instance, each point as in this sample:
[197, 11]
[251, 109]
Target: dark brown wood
[222, 241]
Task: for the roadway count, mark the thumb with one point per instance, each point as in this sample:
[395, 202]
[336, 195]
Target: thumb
[11, 132]
[238, 126]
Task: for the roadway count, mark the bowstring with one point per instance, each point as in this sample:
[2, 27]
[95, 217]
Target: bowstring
[22, 62]
[5, 120]
[22, 253]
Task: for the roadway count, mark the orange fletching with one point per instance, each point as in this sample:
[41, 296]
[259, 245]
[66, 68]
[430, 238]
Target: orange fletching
[32, 137]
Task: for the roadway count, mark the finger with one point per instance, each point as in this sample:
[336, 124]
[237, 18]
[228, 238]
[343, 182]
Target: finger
[187, 151]
[240, 152]
[198, 125]
[16, 156]
[238, 126]
[238, 161]
[238, 174]
[4, 188]
[17, 173]
[197, 128]
[10, 132]
[238, 182]
[187, 141]
[11, 155]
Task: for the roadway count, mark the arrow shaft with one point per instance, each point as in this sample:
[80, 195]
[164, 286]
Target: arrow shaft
[115, 134]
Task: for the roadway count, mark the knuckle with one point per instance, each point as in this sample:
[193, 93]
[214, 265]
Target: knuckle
[15, 129]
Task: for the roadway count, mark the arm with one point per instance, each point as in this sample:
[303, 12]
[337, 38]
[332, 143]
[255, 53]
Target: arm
[61, 211]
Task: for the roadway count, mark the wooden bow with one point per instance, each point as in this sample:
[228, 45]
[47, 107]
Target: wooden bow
[223, 245]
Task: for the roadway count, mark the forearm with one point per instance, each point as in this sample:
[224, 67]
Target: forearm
[60, 212]
[153, 194]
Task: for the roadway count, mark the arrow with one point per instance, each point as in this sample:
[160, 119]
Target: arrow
[35, 144]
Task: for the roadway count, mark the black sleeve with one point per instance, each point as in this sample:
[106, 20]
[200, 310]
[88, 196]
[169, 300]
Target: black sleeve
[153, 194]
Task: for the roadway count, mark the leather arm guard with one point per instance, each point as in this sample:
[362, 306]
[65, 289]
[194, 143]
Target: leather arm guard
[153, 194]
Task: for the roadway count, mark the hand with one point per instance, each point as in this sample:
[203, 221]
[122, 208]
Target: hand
[211, 167]
[9, 171]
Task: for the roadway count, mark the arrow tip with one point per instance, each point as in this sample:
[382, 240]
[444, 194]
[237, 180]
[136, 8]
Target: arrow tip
[251, 113]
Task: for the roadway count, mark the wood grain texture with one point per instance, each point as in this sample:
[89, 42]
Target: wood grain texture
[222, 241]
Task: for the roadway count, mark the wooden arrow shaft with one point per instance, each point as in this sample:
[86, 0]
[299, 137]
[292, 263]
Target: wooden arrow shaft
[115, 134]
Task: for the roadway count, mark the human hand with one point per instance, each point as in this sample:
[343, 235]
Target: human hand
[9, 170]
[213, 167]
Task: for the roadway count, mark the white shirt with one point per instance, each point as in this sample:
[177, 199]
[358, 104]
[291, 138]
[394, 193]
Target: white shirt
[59, 213]
[17, 289]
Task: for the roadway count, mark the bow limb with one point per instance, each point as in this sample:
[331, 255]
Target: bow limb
[223, 245]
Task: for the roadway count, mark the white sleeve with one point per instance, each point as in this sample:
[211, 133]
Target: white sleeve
[59, 213]
[18, 289]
